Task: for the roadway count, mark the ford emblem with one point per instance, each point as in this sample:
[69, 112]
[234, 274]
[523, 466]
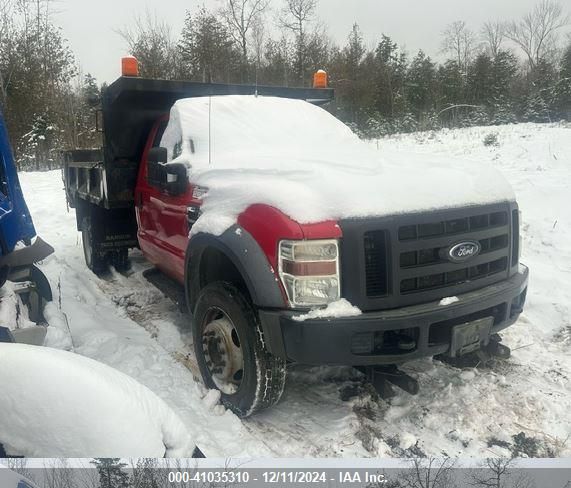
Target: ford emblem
[463, 251]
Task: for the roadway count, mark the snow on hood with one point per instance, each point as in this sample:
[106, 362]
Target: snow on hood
[300, 159]
[58, 404]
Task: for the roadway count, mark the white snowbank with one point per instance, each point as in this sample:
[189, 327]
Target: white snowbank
[58, 404]
[300, 159]
[340, 308]
[13, 313]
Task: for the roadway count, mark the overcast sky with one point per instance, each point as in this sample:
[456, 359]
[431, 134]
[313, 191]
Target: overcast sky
[90, 24]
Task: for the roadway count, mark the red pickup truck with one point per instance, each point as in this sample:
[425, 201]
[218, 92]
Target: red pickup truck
[269, 279]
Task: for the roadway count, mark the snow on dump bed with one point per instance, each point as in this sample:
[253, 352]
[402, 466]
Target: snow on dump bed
[58, 404]
[300, 159]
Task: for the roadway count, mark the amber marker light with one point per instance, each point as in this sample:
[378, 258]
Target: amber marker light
[320, 79]
[130, 66]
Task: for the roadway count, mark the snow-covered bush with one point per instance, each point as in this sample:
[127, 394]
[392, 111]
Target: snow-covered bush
[491, 139]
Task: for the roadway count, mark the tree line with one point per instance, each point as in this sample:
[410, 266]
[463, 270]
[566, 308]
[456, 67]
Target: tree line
[501, 72]
[426, 472]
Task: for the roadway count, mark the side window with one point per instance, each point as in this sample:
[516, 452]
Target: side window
[177, 149]
[160, 132]
[23, 484]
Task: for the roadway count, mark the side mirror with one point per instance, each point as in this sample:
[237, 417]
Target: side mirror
[158, 155]
[176, 179]
[156, 159]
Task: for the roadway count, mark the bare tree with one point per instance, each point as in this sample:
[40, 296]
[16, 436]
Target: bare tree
[259, 36]
[537, 32]
[6, 13]
[58, 474]
[498, 473]
[429, 473]
[460, 42]
[494, 34]
[151, 41]
[296, 16]
[241, 16]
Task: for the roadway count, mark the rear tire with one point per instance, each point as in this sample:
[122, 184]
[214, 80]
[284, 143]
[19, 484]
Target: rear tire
[231, 353]
[95, 261]
[120, 260]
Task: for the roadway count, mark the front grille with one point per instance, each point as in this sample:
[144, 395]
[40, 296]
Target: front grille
[376, 276]
[404, 259]
[456, 277]
[422, 262]
[451, 227]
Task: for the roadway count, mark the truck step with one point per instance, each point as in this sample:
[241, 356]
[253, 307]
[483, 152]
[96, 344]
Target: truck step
[169, 287]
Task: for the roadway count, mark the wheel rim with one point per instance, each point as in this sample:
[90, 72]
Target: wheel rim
[222, 350]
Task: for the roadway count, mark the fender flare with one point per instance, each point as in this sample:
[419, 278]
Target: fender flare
[246, 255]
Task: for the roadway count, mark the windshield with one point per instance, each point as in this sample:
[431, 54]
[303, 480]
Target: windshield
[260, 132]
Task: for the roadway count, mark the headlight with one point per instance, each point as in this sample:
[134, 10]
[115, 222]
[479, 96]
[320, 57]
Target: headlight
[309, 271]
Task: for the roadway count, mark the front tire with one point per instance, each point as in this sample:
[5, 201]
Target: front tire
[231, 353]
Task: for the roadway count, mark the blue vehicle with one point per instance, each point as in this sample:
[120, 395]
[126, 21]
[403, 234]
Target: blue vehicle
[20, 248]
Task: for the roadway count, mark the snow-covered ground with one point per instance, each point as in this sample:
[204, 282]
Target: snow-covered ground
[522, 406]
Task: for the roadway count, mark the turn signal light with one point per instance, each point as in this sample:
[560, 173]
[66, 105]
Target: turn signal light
[129, 66]
[320, 79]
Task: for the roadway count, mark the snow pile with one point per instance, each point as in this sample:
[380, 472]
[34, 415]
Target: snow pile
[13, 313]
[58, 404]
[297, 157]
[338, 309]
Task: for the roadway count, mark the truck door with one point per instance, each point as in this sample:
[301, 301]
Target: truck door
[162, 219]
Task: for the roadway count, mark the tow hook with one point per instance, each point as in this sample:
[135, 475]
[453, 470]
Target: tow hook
[384, 377]
[495, 349]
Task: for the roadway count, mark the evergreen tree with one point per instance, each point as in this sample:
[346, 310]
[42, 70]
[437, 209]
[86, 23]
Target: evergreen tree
[504, 72]
[207, 51]
[277, 69]
[480, 80]
[349, 70]
[563, 89]
[391, 66]
[420, 84]
[541, 98]
[111, 473]
[450, 92]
